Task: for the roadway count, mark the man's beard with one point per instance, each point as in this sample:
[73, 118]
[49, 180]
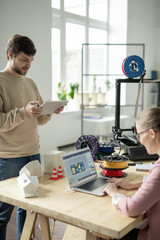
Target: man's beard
[18, 70]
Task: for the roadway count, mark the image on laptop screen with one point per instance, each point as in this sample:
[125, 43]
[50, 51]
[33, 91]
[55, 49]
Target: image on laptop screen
[79, 166]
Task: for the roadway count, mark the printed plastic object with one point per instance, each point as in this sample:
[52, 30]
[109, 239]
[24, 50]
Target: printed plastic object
[60, 174]
[133, 66]
[54, 175]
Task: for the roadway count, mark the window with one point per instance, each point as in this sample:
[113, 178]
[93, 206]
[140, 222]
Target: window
[98, 9]
[75, 23]
[77, 7]
[55, 58]
[73, 51]
[55, 4]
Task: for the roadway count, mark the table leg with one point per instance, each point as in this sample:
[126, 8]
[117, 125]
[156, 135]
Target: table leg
[101, 237]
[28, 225]
[45, 229]
[89, 236]
[73, 233]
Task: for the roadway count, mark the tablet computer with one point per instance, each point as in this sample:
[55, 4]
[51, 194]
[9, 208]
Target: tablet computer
[49, 107]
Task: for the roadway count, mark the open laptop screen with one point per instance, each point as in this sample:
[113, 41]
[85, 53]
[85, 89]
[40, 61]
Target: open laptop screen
[79, 166]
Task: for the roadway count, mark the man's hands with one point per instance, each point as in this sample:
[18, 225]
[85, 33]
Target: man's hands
[59, 110]
[32, 109]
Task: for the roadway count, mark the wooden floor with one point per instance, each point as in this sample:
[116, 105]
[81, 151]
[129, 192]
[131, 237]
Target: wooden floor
[57, 233]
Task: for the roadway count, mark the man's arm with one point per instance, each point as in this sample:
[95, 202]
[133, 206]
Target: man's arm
[12, 118]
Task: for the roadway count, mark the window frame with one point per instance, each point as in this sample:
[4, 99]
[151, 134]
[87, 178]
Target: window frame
[59, 20]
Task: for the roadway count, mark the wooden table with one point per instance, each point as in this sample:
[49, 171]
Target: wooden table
[96, 215]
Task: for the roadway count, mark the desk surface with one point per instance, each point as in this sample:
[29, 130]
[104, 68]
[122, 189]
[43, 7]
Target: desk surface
[79, 209]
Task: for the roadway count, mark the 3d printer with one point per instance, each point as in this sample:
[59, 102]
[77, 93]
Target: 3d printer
[133, 67]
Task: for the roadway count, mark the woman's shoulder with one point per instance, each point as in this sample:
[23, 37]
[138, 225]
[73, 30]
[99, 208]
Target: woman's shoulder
[156, 164]
[154, 172]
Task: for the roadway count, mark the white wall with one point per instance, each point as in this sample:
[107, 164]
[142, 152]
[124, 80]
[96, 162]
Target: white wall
[62, 130]
[33, 19]
[142, 28]
[157, 38]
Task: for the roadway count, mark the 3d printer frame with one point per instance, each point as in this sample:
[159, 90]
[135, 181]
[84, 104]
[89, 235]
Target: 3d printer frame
[134, 149]
[117, 131]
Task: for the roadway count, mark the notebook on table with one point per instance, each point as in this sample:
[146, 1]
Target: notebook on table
[81, 172]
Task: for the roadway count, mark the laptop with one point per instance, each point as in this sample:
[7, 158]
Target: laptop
[81, 172]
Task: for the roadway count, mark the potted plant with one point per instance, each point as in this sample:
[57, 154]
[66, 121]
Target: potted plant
[63, 94]
[62, 91]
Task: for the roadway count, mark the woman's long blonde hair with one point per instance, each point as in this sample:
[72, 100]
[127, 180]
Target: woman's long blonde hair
[150, 119]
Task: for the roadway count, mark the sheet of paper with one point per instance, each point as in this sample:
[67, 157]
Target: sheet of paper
[143, 167]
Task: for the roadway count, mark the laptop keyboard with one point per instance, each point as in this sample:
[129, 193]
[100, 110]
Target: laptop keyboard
[94, 184]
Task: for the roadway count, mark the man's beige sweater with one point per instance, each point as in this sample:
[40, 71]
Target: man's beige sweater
[18, 133]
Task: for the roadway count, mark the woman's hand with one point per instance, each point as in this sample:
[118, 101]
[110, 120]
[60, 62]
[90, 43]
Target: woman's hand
[111, 189]
[121, 182]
